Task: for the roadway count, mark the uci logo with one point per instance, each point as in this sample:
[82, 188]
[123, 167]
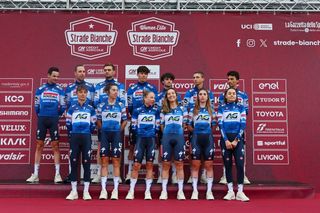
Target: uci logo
[232, 116]
[174, 118]
[203, 117]
[111, 115]
[147, 118]
[81, 116]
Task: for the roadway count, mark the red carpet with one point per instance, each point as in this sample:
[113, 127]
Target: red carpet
[59, 205]
[257, 191]
[50, 198]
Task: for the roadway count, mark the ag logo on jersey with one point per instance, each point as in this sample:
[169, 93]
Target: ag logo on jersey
[232, 116]
[147, 119]
[111, 115]
[81, 116]
[174, 118]
[203, 117]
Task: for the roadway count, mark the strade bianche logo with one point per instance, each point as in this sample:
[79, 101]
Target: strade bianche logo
[153, 38]
[91, 38]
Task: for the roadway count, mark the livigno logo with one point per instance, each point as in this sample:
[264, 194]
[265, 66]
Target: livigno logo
[91, 38]
[153, 38]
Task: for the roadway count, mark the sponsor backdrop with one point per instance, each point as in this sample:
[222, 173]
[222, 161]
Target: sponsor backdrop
[277, 56]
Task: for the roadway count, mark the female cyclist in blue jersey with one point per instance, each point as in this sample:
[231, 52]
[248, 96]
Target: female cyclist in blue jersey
[173, 120]
[232, 122]
[111, 119]
[80, 121]
[145, 124]
[201, 121]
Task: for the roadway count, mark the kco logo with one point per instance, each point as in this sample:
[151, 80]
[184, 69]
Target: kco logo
[13, 98]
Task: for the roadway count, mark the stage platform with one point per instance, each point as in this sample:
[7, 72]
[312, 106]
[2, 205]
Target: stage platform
[254, 191]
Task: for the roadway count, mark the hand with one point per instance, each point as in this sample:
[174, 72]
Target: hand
[229, 144]
[234, 143]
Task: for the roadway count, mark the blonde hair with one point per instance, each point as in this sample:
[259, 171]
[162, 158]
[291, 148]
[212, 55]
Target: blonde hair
[146, 93]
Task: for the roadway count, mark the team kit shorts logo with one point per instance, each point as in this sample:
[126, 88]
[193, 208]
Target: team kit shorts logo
[153, 38]
[91, 38]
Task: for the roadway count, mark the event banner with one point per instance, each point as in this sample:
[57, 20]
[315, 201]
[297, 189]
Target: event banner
[277, 56]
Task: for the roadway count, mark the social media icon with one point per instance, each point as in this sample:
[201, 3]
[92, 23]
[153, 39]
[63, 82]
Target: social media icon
[251, 43]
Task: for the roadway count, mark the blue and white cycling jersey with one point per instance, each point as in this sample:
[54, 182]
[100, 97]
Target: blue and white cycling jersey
[146, 121]
[81, 119]
[174, 120]
[202, 122]
[50, 100]
[231, 119]
[111, 116]
[101, 96]
[71, 93]
[135, 94]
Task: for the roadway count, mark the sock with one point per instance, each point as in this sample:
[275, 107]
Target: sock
[180, 185]
[86, 186]
[57, 167]
[195, 184]
[164, 184]
[224, 171]
[240, 187]
[116, 182]
[148, 184]
[74, 186]
[230, 186]
[104, 182]
[132, 184]
[209, 184]
[36, 169]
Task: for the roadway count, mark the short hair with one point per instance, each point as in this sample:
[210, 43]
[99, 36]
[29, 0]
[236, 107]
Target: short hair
[53, 69]
[167, 75]
[78, 65]
[107, 88]
[143, 69]
[199, 72]
[109, 64]
[234, 73]
[81, 87]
